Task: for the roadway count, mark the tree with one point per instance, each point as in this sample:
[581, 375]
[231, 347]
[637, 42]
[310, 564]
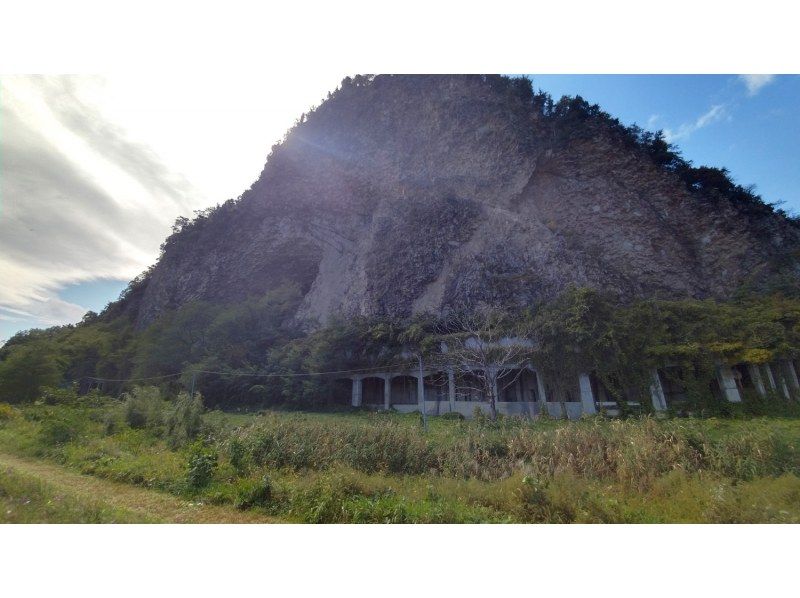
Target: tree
[488, 349]
[27, 369]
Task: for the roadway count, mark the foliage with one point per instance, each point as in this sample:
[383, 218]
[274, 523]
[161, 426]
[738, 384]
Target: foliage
[58, 396]
[7, 412]
[183, 420]
[200, 466]
[586, 331]
[26, 369]
[254, 493]
[143, 407]
[56, 431]
[488, 348]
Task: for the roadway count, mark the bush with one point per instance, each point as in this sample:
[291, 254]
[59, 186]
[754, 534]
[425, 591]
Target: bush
[59, 396]
[94, 398]
[7, 412]
[143, 407]
[237, 453]
[55, 432]
[253, 493]
[184, 419]
[201, 465]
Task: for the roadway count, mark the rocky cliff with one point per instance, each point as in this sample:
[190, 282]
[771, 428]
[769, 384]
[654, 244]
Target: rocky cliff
[404, 194]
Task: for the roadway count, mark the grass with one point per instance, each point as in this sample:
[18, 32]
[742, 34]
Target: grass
[25, 498]
[368, 467]
[34, 491]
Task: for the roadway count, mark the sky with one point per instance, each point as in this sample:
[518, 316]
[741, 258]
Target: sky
[94, 170]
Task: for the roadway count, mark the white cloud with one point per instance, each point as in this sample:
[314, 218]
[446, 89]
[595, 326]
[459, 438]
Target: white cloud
[754, 83]
[714, 114]
[96, 170]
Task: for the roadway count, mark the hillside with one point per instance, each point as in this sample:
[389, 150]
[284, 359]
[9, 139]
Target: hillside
[404, 199]
[408, 194]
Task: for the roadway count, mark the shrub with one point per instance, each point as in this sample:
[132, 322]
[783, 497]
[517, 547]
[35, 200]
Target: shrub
[58, 396]
[56, 431]
[94, 398]
[184, 419]
[253, 493]
[111, 421]
[143, 407]
[7, 412]
[237, 453]
[201, 465]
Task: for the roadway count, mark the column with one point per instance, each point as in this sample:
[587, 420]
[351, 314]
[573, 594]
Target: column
[657, 393]
[728, 384]
[770, 377]
[792, 375]
[758, 382]
[782, 380]
[387, 392]
[587, 398]
[421, 392]
[540, 388]
[451, 388]
[357, 391]
[542, 394]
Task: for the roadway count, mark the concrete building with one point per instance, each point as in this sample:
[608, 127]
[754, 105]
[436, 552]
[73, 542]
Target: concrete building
[524, 391]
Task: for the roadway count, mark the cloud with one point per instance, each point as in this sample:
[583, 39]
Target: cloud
[85, 198]
[712, 115]
[754, 83]
[80, 199]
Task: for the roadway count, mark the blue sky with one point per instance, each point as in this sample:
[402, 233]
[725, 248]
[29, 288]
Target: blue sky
[103, 166]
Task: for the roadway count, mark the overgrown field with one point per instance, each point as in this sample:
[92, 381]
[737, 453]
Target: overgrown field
[384, 467]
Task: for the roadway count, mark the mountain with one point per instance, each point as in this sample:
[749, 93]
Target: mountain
[407, 194]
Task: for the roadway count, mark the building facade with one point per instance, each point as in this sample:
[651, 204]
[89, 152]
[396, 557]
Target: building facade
[525, 392]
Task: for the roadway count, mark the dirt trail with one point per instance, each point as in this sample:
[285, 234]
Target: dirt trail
[156, 505]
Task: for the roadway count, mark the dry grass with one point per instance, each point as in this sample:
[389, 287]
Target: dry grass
[359, 467]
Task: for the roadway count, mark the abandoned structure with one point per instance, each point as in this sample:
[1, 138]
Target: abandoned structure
[526, 393]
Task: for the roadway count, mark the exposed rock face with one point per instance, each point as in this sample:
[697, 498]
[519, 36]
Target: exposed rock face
[413, 193]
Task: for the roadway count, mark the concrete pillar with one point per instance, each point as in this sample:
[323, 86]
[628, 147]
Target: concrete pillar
[792, 375]
[782, 380]
[421, 393]
[387, 392]
[657, 393]
[357, 394]
[542, 394]
[770, 377]
[587, 398]
[728, 384]
[451, 388]
[758, 381]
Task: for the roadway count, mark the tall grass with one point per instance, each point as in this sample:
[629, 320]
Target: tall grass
[386, 468]
[633, 452]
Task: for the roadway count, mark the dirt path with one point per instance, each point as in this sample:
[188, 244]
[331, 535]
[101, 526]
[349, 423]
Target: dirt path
[154, 504]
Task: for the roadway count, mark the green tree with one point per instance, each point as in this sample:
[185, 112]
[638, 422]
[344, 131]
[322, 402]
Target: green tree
[28, 368]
